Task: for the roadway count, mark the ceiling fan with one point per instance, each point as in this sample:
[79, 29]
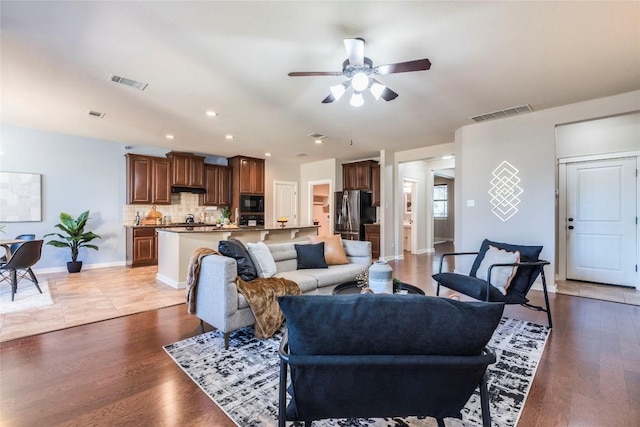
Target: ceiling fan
[360, 70]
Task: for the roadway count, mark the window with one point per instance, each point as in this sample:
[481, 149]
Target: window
[440, 201]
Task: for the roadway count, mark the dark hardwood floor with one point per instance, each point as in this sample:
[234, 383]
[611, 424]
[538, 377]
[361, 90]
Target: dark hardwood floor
[115, 372]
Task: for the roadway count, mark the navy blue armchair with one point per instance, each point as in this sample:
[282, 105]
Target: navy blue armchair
[527, 270]
[359, 356]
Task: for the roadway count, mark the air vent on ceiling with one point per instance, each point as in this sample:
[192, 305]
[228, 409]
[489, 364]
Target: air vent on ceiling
[301, 155]
[317, 136]
[503, 113]
[96, 114]
[128, 82]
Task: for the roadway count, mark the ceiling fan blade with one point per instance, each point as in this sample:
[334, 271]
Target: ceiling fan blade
[403, 67]
[329, 99]
[314, 73]
[388, 94]
[355, 51]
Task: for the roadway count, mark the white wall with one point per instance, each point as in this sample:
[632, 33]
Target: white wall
[527, 142]
[78, 174]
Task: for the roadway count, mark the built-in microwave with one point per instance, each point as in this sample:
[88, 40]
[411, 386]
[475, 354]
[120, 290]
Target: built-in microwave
[251, 203]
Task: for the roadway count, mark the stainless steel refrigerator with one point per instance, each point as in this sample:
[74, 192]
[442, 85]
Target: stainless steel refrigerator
[353, 210]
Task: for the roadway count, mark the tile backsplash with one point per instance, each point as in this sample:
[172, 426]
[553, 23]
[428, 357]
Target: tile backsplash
[182, 204]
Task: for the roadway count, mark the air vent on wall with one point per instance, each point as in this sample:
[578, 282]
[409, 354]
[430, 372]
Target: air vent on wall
[502, 113]
[96, 114]
[128, 82]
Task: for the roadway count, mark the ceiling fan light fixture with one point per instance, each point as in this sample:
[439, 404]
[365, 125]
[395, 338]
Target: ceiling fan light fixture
[377, 90]
[356, 100]
[337, 91]
[360, 81]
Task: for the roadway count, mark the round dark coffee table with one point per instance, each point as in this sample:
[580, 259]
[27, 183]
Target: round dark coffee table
[353, 288]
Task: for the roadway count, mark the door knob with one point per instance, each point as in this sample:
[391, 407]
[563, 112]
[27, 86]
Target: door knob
[570, 227]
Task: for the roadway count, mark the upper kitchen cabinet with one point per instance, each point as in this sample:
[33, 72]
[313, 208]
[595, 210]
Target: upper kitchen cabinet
[187, 170]
[148, 180]
[248, 175]
[358, 175]
[217, 182]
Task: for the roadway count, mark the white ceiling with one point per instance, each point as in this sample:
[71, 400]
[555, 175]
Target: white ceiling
[233, 57]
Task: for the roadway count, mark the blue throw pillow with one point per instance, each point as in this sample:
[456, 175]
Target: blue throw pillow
[235, 249]
[388, 324]
[310, 255]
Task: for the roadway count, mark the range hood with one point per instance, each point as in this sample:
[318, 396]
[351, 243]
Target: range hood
[194, 190]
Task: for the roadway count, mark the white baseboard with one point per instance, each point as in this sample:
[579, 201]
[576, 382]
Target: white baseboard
[169, 281]
[84, 267]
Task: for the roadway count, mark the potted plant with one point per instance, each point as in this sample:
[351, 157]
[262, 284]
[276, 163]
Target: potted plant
[75, 238]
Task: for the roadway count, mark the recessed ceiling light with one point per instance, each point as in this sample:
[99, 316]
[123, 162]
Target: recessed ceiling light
[170, 136]
[211, 113]
[229, 136]
[318, 141]
[267, 154]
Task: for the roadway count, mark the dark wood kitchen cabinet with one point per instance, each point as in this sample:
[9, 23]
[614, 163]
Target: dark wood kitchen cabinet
[217, 182]
[358, 175]
[187, 170]
[372, 234]
[148, 180]
[142, 246]
[248, 175]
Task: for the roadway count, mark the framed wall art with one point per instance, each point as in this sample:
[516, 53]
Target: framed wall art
[20, 197]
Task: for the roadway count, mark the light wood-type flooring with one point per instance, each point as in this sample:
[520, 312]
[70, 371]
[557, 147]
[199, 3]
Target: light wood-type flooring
[115, 372]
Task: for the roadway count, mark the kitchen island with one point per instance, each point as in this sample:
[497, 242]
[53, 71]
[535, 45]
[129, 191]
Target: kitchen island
[176, 244]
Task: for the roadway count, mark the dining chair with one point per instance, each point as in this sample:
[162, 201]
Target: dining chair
[18, 267]
[15, 246]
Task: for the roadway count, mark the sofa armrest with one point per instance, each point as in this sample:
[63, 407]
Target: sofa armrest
[217, 294]
[358, 252]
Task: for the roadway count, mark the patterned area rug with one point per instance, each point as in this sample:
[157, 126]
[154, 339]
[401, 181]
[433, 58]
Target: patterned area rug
[26, 297]
[243, 380]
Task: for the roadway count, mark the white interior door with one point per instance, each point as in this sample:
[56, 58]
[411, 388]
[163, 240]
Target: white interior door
[286, 201]
[601, 221]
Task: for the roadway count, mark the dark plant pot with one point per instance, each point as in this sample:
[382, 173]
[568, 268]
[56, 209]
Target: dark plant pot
[74, 266]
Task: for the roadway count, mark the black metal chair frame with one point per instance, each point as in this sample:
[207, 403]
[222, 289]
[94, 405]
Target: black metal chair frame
[283, 351]
[539, 264]
[18, 272]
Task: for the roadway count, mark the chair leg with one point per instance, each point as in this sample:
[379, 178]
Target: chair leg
[546, 298]
[34, 279]
[438, 290]
[201, 326]
[282, 395]
[226, 340]
[14, 283]
[440, 422]
[484, 402]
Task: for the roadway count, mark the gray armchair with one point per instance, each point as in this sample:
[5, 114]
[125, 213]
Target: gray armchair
[358, 356]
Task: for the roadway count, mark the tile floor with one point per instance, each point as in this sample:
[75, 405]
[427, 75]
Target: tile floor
[91, 296]
[602, 292]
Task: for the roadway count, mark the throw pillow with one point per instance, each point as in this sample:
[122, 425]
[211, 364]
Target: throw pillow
[262, 259]
[333, 249]
[235, 249]
[310, 255]
[500, 276]
[524, 277]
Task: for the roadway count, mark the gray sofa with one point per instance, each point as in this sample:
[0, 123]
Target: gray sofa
[219, 303]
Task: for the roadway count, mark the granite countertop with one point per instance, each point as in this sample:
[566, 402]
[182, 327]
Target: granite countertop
[206, 228]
